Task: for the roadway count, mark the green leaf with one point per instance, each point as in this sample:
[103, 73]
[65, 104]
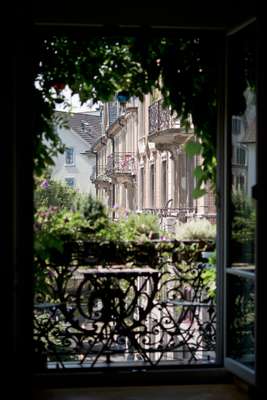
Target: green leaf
[198, 172]
[198, 193]
[192, 148]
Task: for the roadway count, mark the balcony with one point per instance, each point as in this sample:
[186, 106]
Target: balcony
[182, 214]
[165, 128]
[121, 167]
[122, 305]
[100, 178]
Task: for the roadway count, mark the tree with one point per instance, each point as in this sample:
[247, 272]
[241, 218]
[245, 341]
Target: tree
[182, 68]
[50, 193]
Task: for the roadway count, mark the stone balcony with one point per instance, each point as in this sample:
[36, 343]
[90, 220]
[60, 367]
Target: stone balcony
[165, 128]
[100, 178]
[121, 167]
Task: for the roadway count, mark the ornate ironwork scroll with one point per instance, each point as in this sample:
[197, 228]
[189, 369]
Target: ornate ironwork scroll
[121, 163]
[160, 118]
[125, 304]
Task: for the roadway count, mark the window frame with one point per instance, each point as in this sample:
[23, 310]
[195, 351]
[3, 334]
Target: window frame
[67, 164]
[21, 247]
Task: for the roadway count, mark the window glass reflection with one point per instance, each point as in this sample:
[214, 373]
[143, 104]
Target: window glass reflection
[241, 335]
[243, 164]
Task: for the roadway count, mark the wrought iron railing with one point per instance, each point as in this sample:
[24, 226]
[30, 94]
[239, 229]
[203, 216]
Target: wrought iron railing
[100, 174]
[124, 304]
[182, 214]
[121, 163]
[160, 118]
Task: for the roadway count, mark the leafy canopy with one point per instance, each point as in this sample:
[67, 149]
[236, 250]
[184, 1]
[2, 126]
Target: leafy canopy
[182, 68]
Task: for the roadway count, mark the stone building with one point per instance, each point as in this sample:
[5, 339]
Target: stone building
[141, 165]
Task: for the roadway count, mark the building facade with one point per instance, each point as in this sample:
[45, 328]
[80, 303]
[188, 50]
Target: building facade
[75, 166]
[244, 146]
[141, 164]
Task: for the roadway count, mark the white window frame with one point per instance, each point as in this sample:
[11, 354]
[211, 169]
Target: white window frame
[66, 164]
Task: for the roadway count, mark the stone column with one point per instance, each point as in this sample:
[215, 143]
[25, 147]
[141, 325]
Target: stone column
[131, 194]
[174, 150]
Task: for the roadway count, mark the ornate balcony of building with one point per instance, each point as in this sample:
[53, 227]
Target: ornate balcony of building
[121, 167]
[123, 305]
[182, 214]
[100, 178]
[165, 128]
[170, 216]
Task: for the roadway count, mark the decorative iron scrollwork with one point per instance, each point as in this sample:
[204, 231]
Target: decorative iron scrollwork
[99, 311]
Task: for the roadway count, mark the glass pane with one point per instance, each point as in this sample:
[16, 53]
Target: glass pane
[242, 97]
[241, 320]
[69, 156]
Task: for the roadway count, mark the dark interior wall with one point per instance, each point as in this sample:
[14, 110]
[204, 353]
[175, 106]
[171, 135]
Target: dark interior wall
[18, 209]
[260, 194]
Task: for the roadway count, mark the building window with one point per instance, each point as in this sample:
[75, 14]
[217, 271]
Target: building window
[70, 182]
[236, 125]
[240, 183]
[152, 186]
[240, 156]
[69, 156]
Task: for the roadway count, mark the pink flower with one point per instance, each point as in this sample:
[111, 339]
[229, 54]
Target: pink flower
[44, 184]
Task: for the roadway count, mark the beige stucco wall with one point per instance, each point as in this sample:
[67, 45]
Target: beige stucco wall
[132, 136]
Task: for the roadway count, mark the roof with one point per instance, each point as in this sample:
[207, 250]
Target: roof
[86, 125]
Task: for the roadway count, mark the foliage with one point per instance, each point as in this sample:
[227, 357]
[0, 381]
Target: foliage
[50, 193]
[86, 219]
[139, 227]
[195, 229]
[46, 143]
[183, 69]
[209, 276]
[203, 173]
[242, 315]
[243, 229]
[53, 227]
[95, 213]
[244, 218]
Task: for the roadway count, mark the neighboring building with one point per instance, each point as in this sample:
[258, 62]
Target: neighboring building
[244, 146]
[141, 165]
[77, 164]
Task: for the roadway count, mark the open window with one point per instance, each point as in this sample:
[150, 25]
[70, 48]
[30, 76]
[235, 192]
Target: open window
[238, 244]
[241, 210]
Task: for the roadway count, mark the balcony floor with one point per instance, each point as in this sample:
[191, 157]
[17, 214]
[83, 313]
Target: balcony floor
[183, 392]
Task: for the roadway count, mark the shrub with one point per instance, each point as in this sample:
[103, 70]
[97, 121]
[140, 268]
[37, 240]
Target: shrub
[53, 227]
[139, 227]
[243, 228]
[95, 213]
[49, 193]
[196, 229]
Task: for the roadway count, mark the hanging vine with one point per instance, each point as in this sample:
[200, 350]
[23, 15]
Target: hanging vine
[183, 69]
